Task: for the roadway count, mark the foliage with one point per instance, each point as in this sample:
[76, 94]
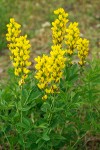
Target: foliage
[65, 118]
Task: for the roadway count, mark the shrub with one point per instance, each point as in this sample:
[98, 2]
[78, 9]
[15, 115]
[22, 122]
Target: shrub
[54, 106]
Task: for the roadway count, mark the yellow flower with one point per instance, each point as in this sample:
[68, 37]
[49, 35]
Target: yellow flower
[19, 48]
[59, 26]
[13, 30]
[21, 82]
[25, 70]
[49, 69]
[69, 52]
[83, 50]
[44, 97]
[72, 36]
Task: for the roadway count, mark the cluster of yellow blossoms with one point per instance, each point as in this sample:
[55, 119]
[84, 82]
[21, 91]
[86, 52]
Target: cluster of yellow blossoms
[59, 26]
[19, 48]
[72, 35]
[83, 50]
[49, 70]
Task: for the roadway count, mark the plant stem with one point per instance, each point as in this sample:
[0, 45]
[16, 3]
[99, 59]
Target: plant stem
[6, 138]
[28, 97]
[51, 111]
[21, 115]
[21, 104]
[79, 139]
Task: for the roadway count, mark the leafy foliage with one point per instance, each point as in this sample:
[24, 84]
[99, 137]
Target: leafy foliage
[65, 120]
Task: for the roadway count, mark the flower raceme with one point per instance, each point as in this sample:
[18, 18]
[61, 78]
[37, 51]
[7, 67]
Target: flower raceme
[69, 35]
[83, 50]
[19, 48]
[13, 30]
[59, 26]
[72, 35]
[50, 69]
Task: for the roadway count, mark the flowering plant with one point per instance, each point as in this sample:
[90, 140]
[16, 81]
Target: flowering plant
[45, 109]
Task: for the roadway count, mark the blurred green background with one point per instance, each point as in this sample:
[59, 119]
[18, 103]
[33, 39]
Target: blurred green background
[36, 16]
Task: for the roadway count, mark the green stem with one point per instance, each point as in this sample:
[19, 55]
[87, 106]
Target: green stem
[52, 108]
[21, 114]
[28, 97]
[79, 139]
[7, 138]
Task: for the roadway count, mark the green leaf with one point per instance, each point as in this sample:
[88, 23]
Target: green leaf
[38, 140]
[58, 136]
[58, 109]
[34, 94]
[45, 107]
[20, 125]
[21, 140]
[19, 105]
[45, 137]
[24, 94]
[26, 121]
[26, 108]
[43, 126]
